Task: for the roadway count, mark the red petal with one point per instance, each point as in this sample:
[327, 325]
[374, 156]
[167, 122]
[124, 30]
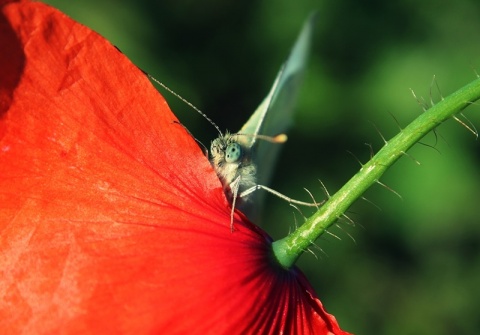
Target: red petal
[111, 218]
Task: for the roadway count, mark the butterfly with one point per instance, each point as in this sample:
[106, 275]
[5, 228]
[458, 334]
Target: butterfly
[244, 161]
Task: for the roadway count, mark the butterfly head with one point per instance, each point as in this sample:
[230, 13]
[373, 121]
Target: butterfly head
[228, 150]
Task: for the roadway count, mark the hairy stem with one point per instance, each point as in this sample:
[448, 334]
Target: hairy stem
[288, 249]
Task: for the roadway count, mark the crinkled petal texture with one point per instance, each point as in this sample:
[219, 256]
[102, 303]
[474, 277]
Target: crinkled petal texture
[112, 220]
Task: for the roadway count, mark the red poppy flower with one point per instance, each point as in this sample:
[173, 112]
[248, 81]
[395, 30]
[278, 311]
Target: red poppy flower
[111, 217]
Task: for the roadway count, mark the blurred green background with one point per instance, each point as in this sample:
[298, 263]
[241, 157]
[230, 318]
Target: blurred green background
[412, 267]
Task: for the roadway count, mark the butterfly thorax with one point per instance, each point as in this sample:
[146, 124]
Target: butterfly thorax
[233, 164]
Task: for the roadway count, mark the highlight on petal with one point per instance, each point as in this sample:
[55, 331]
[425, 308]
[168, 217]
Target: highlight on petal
[111, 218]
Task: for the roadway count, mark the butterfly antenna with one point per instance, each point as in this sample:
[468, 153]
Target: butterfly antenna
[280, 138]
[185, 101]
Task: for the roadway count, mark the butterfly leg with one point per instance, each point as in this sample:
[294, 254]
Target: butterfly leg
[278, 194]
[204, 148]
[234, 186]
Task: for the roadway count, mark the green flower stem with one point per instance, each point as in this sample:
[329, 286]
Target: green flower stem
[288, 249]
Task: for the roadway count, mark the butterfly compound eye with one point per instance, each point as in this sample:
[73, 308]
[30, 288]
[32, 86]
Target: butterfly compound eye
[233, 153]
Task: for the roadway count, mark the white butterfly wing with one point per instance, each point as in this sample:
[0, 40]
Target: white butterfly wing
[275, 113]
